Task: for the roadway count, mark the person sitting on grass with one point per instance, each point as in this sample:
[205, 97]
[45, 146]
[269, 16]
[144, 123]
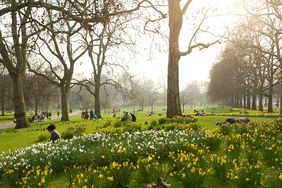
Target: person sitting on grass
[133, 117]
[55, 136]
[126, 117]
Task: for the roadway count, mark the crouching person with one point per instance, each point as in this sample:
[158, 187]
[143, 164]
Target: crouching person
[54, 135]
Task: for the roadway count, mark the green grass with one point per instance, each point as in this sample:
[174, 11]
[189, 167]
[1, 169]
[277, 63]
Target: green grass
[209, 122]
[12, 139]
[7, 118]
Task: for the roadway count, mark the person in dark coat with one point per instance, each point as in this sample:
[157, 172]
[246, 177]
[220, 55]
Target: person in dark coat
[133, 117]
[54, 135]
[91, 114]
[126, 117]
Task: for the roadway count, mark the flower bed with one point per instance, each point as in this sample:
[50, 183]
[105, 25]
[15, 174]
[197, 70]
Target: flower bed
[248, 158]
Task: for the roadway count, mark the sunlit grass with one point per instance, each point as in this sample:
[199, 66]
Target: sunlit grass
[12, 139]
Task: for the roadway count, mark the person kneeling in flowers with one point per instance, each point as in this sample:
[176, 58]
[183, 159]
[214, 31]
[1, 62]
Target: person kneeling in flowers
[55, 136]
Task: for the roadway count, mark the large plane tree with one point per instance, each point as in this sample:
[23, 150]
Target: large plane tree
[177, 11]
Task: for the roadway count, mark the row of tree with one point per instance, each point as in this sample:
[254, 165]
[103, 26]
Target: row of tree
[50, 37]
[41, 95]
[249, 71]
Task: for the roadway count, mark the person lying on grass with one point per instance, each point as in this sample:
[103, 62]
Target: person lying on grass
[55, 136]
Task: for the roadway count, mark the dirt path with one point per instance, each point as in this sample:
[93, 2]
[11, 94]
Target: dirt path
[12, 125]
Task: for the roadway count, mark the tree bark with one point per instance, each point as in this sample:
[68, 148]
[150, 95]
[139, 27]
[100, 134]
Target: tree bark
[241, 101]
[254, 96]
[281, 103]
[270, 101]
[142, 107]
[280, 61]
[2, 97]
[97, 99]
[260, 101]
[36, 107]
[64, 103]
[20, 112]
[175, 24]
[173, 100]
[278, 99]
[245, 101]
[248, 99]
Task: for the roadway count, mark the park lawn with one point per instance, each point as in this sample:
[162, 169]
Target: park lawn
[29, 136]
[7, 118]
[12, 139]
[209, 122]
[4, 121]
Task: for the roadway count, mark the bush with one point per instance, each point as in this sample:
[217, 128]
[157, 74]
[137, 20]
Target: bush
[178, 119]
[153, 124]
[70, 132]
[186, 127]
[212, 140]
[131, 127]
[107, 124]
[246, 175]
[42, 137]
[233, 147]
[274, 180]
[117, 124]
[221, 167]
[225, 129]
[279, 123]
[162, 121]
[151, 170]
[242, 128]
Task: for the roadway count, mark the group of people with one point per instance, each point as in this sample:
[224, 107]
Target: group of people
[200, 113]
[85, 114]
[128, 117]
[39, 117]
[233, 120]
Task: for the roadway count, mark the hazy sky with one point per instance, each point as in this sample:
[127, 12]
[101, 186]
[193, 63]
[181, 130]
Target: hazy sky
[197, 65]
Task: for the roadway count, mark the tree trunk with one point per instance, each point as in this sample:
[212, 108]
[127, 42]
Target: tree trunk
[152, 108]
[173, 100]
[270, 102]
[281, 102]
[36, 107]
[281, 95]
[245, 101]
[280, 60]
[248, 100]
[64, 103]
[260, 101]
[97, 100]
[265, 102]
[241, 101]
[36, 104]
[20, 112]
[254, 97]
[277, 100]
[2, 97]
[175, 24]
